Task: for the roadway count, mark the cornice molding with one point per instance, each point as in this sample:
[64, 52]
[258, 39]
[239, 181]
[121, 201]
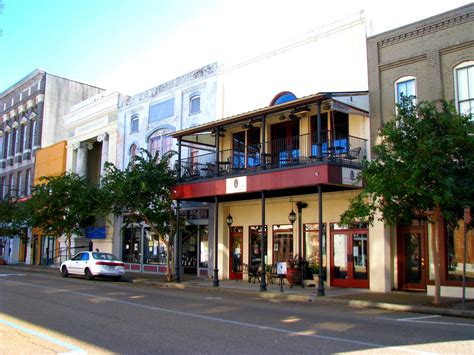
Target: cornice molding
[427, 29]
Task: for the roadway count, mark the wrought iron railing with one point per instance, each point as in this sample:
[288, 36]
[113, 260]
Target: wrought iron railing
[281, 153]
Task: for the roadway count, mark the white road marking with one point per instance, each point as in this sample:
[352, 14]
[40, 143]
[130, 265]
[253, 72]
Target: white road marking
[227, 321]
[6, 275]
[421, 320]
[212, 298]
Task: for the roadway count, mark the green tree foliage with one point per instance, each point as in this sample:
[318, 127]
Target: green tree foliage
[65, 205]
[143, 192]
[14, 218]
[424, 166]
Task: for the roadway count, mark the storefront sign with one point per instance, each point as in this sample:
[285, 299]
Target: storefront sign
[349, 177]
[96, 232]
[281, 268]
[237, 184]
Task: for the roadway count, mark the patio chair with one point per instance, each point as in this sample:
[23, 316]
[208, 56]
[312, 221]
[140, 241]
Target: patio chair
[353, 154]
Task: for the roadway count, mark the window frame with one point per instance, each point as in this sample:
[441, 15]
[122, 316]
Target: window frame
[464, 65]
[405, 79]
[134, 121]
[193, 98]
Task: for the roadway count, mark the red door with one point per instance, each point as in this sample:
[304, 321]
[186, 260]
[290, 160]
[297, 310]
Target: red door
[412, 256]
[235, 256]
[350, 258]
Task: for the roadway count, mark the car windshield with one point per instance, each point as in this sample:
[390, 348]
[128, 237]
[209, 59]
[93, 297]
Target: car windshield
[104, 256]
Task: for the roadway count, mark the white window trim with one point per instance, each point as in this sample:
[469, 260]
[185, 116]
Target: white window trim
[401, 80]
[191, 98]
[132, 119]
[456, 68]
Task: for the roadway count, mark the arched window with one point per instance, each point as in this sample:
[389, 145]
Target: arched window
[464, 86]
[132, 153]
[134, 123]
[406, 86]
[283, 97]
[159, 142]
[194, 104]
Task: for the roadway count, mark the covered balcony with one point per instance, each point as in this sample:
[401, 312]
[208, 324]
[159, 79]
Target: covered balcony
[326, 130]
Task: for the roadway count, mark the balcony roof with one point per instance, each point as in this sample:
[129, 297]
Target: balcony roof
[337, 99]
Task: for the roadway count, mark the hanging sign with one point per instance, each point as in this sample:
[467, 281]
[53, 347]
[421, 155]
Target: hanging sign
[236, 184]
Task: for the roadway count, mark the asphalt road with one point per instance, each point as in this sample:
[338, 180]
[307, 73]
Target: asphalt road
[48, 314]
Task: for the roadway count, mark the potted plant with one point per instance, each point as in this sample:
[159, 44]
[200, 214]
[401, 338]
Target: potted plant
[293, 271]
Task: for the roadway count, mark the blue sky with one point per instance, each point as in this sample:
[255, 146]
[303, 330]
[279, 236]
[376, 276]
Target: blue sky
[132, 45]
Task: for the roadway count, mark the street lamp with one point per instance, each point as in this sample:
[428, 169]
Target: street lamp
[229, 220]
[292, 216]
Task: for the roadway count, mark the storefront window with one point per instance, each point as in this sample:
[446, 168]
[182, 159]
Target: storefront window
[203, 247]
[189, 251]
[255, 245]
[131, 245]
[455, 254]
[155, 249]
[311, 236]
[282, 243]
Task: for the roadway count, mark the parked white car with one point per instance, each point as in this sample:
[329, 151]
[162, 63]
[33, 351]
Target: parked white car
[91, 264]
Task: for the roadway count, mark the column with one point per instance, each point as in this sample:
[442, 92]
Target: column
[81, 160]
[104, 138]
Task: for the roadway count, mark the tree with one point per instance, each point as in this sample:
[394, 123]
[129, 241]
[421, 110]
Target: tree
[14, 218]
[143, 192]
[65, 205]
[423, 167]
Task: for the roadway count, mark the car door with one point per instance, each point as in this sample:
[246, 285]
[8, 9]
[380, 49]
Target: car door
[73, 265]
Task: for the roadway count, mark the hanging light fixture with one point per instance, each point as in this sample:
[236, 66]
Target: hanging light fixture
[229, 220]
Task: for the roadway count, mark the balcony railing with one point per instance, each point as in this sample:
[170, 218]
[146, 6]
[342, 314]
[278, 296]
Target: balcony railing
[282, 153]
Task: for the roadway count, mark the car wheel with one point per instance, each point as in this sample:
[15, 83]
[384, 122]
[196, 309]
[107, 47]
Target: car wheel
[64, 272]
[88, 274]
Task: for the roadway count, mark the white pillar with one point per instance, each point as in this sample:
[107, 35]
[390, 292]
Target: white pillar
[104, 138]
[81, 161]
[380, 263]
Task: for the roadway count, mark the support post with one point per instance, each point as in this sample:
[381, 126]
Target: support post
[215, 282]
[179, 158]
[177, 244]
[263, 283]
[320, 235]
[318, 130]
[301, 247]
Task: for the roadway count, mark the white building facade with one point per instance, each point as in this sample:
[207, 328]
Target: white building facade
[91, 142]
[145, 121]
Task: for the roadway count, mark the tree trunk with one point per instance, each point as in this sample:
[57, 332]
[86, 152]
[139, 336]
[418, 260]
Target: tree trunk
[68, 245]
[435, 251]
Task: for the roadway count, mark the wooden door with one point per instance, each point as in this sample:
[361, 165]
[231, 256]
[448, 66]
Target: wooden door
[235, 255]
[412, 258]
[350, 258]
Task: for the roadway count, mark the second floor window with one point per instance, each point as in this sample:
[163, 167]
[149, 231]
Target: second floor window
[405, 86]
[132, 152]
[194, 104]
[159, 142]
[465, 88]
[134, 124]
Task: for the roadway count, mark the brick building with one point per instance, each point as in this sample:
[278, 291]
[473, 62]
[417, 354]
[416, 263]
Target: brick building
[31, 114]
[431, 59]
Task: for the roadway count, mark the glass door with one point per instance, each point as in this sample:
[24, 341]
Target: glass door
[235, 260]
[349, 259]
[411, 258]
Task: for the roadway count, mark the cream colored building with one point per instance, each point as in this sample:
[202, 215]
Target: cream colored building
[91, 141]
